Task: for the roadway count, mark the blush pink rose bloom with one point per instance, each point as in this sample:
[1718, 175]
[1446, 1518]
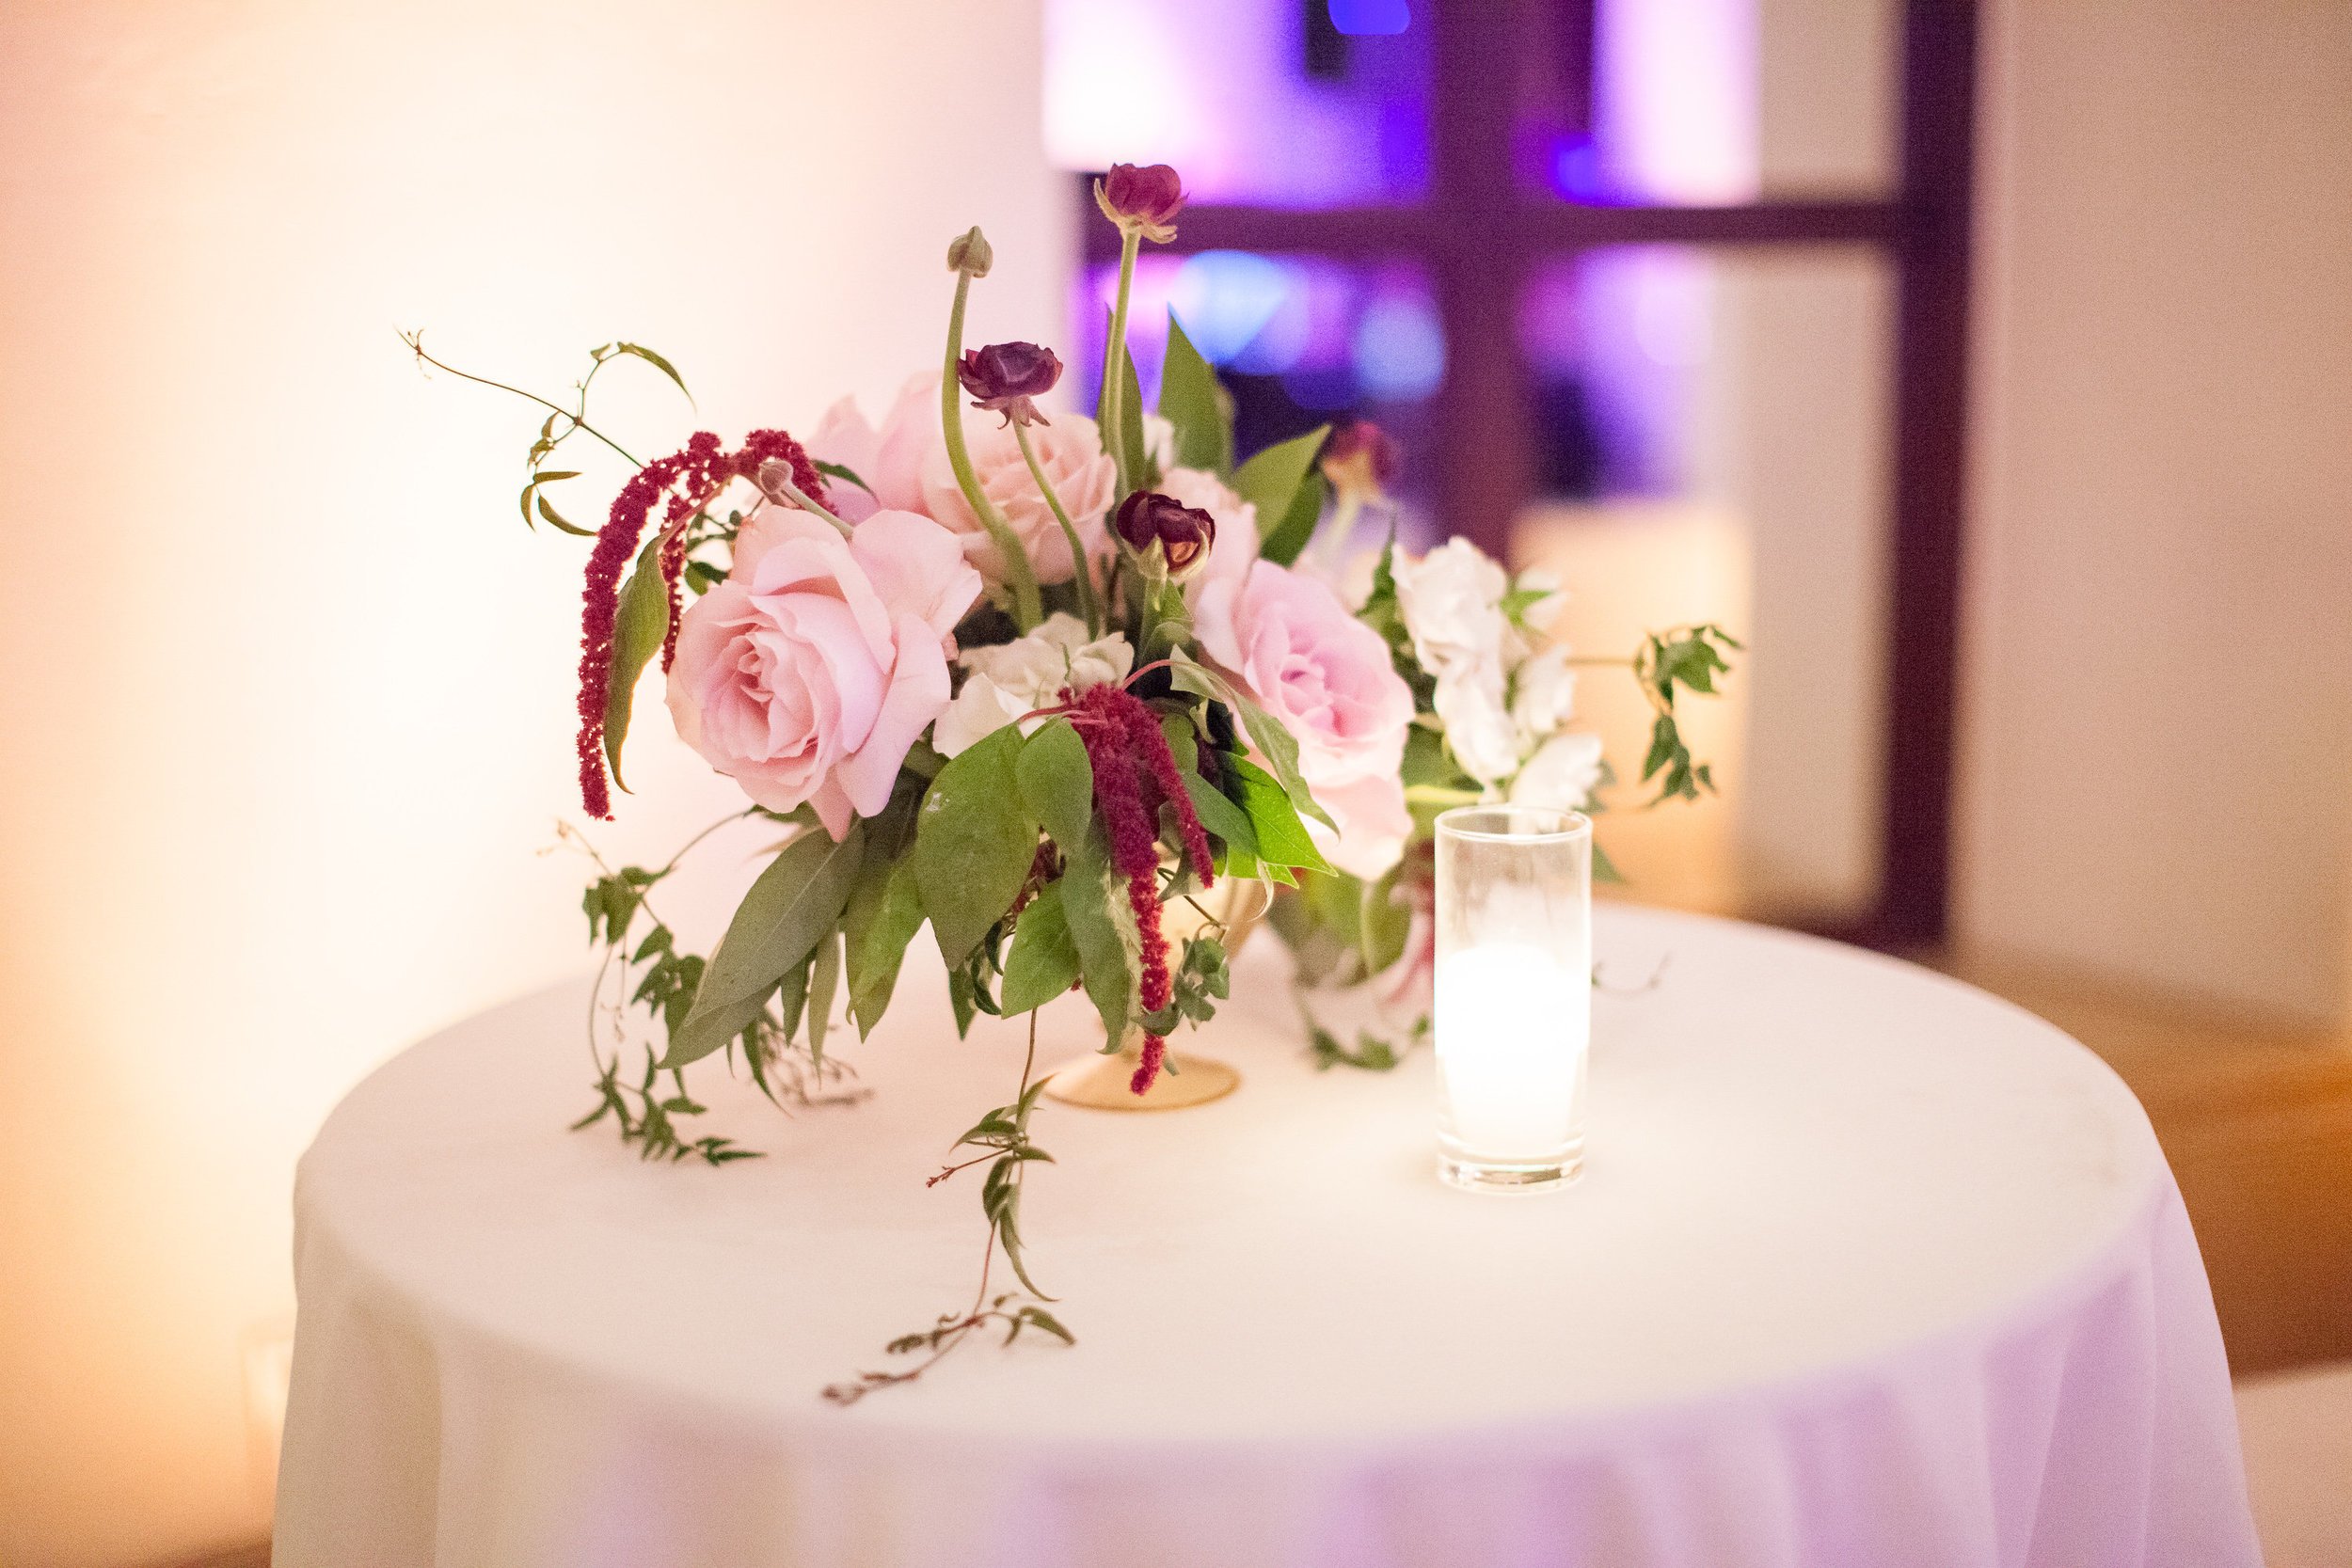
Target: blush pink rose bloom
[1070, 449]
[905, 461]
[1327, 678]
[807, 673]
[888, 457]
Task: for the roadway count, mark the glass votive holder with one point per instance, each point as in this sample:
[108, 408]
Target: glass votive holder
[1514, 1007]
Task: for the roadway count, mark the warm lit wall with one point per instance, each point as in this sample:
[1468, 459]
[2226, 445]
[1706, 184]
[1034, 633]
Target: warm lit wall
[285, 711]
[2158, 723]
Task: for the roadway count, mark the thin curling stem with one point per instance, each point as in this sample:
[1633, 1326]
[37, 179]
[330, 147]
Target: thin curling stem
[1027, 609]
[1089, 606]
[1115, 359]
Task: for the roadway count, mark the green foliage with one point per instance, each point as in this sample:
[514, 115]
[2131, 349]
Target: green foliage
[841, 471]
[670, 981]
[651, 1124]
[1196, 405]
[612, 900]
[1093, 896]
[825, 979]
[639, 350]
[974, 843]
[1137, 464]
[637, 633]
[1056, 782]
[1273, 741]
[1372, 1053]
[1200, 982]
[791, 907]
[532, 500]
[1686, 659]
[884, 911]
[1271, 481]
[1282, 838]
[1044, 961]
[1289, 532]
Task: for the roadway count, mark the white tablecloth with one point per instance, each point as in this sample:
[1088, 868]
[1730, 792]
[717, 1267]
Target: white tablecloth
[1867, 1268]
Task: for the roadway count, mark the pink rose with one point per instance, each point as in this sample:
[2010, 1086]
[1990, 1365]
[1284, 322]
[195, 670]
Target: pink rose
[1327, 678]
[1070, 449]
[889, 458]
[807, 674]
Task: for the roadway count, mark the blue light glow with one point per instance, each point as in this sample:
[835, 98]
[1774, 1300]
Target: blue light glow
[1226, 298]
[1399, 348]
[1370, 18]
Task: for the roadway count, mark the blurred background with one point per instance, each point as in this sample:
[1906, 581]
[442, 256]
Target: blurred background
[1988, 367]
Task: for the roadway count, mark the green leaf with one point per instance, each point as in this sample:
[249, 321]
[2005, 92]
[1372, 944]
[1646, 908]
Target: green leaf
[1056, 782]
[1093, 898]
[793, 905]
[1270, 480]
[531, 494]
[1043, 960]
[841, 471]
[1224, 819]
[552, 516]
[716, 1024]
[1191, 399]
[1131, 425]
[974, 843]
[1282, 838]
[1273, 741]
[825, 979]
[1605, 869]
[885, 912]
[637, 633]
[1287, 535]
[657, 362]
[1047, 1321]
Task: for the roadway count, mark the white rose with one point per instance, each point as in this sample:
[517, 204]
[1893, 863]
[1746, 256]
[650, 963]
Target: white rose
[1010, 679]
[1562, 773]
[1452, 599]
[1478, 728]
[1545, 697]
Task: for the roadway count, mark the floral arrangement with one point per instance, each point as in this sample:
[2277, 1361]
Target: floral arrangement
[1033, 679]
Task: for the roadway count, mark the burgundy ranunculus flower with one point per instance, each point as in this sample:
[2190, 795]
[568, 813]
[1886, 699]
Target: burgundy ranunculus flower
[1360, 459]
[1184, 534]
[1146, 199]
[1003, 377]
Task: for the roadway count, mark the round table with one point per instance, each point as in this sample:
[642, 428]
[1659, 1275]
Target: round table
[1866, 1267]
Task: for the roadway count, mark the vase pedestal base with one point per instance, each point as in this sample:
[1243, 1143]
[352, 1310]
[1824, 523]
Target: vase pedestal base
[1100, 1083]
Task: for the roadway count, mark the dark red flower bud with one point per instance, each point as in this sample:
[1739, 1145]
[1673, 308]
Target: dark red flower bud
[1146, 199]
[1183, 533]
[1360, 459]
[1003, 377]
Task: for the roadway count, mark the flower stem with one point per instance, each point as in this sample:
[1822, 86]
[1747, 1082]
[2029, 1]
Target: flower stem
[1115, 362]
[1087, 605]
[1020, 577]
[781, 489]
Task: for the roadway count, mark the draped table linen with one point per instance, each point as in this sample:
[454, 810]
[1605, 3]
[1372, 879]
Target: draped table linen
[1867, 1268]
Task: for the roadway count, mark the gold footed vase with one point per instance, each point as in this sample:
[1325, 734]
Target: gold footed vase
[1100, 1082]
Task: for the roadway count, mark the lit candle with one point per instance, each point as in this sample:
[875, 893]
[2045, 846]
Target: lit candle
[1513, 995]
[1511, 1025]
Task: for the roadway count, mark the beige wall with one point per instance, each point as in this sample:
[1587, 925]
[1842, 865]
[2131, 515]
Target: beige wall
[2158, 761]
[285, 713]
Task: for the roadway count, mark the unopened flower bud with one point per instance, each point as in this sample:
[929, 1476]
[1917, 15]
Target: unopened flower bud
[1360, 460]
[1003, 377]
[1145, 199]
[968, 252]
[1149, 520]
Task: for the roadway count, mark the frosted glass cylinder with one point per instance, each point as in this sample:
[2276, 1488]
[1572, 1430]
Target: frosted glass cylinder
[1514, 1011]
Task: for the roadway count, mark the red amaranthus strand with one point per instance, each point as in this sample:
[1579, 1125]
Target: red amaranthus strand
[690, 478]
[1135, 776]
[1154, 1057]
